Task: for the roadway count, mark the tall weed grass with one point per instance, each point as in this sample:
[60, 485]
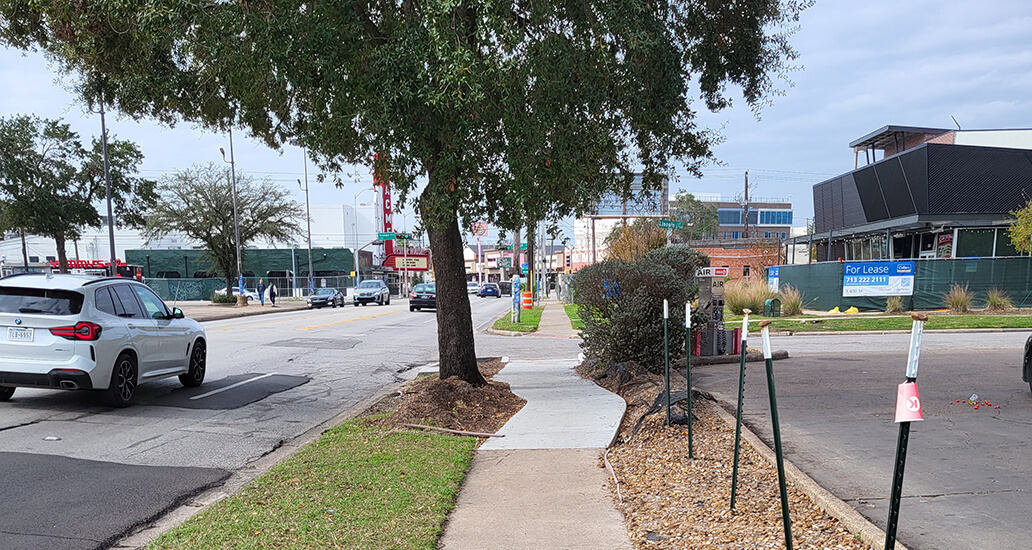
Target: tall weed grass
[894, 304]
[791, 301]
[997, 300]
[958, 299]
[740, 295]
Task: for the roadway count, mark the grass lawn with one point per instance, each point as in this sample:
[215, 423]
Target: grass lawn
[529, 321]
[357, 486]
[572, 313]
[851, 322]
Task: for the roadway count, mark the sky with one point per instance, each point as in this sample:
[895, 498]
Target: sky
[862, 66]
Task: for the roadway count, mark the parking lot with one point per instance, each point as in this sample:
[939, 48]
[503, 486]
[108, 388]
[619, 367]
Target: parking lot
[966, 483]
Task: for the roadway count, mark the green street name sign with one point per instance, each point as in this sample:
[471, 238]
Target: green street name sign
[523, 246]
[385, 236]
[504, 262]
[671, 224]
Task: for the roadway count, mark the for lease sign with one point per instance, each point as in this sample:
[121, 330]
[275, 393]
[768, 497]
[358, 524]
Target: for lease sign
[878, 279]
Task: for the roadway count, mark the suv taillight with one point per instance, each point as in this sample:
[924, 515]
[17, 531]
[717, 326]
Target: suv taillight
[81, 331]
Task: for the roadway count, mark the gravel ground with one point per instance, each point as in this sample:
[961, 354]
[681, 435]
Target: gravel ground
[672, 502]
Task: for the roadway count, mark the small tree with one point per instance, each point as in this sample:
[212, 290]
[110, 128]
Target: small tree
[631, 242]
[1020, 230]
[700, 218]
[198, 202]
[51, 183]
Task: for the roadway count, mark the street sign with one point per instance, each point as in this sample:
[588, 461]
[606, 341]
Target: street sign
[480, 229]
[524, 268]
[385, 236]
[671, 224]
[523, 246]
[504, 262]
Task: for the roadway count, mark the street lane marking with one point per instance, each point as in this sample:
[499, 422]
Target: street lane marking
[258, 324]
[349, 320]
[220, 390]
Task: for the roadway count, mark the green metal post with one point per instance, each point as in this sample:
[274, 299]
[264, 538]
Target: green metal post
[666, 355]
[688, 371]
[904, 436]
[778, 453]
[738, 416]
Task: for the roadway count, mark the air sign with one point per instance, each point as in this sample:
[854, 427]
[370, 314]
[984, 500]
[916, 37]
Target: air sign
[878, 279]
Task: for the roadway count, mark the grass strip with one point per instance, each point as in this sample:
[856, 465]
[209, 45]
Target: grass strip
[804, 324]
[574, 314]
[359, 486]
[529, 321]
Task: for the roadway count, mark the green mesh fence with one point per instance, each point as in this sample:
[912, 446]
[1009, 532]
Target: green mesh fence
[178, 290]
[821, 283]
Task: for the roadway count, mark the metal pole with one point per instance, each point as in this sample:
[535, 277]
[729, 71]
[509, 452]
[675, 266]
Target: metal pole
[904, 435]
[113, 269]
[308, 210]
[236, 219]
[738, 416]
[778, 453]
[293, 264]
[688, 370]
[354, 212]
[666, 356]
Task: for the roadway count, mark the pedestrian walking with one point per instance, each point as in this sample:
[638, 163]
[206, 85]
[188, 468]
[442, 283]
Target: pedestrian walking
[261, 291]
[272, 294]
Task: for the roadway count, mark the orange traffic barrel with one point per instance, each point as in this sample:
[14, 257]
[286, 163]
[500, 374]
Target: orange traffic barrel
[528, 299]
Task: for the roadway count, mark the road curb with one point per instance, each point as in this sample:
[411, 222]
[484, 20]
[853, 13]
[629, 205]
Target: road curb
[901, 331]
[835, 507]
[701, 360]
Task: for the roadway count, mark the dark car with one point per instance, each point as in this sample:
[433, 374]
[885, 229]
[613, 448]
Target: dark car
[326, 297]
[424, 295]
[489, 289]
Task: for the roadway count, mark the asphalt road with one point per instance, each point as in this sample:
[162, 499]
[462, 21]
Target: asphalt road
[270, 378]
[967, 482]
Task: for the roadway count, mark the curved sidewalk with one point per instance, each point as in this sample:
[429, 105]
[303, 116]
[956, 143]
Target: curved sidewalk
[542, 486]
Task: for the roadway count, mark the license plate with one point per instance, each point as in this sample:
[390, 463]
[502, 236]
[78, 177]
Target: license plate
[16, 334]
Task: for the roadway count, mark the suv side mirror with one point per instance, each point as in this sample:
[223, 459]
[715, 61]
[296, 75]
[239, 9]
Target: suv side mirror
[177, 313]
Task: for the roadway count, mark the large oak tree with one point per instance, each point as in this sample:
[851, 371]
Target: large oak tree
[508, 110]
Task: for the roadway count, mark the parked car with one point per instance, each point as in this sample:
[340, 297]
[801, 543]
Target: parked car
[249, 293]
[168, 275]
[372, 290]
[423, 296]
[77, 332]
[472, 287]
[1026, 365]
[326, 297]
[490, 289]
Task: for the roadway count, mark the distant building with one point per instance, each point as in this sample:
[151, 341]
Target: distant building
[934, 193]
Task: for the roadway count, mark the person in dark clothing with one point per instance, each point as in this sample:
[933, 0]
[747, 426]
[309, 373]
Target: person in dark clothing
[272, 294]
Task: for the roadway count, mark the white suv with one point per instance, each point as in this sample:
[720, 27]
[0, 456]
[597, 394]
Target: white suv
[372, 290]
[93, 333]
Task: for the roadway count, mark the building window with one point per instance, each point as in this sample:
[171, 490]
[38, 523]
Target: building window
[766, 234]
[745, 271]
[975, 242]
[734, 234]
[783, 235]
[728, 216]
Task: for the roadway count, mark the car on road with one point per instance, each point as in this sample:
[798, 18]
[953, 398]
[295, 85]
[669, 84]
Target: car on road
[490, 289]
[472, 287]
[108, 334]
[326, 297]
[423, 296]
[372, 290]
[248, 293]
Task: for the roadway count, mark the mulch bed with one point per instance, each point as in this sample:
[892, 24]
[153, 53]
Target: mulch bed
[671, 501]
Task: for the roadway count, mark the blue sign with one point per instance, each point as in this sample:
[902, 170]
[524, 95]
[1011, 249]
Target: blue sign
[878, 279]
[773, 277]
[524, 268]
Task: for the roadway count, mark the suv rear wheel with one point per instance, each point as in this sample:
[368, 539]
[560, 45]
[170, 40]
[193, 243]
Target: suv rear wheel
[6, 393]
[122, 388]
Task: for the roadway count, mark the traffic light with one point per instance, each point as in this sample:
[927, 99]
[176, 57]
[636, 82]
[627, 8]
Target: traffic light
[403, 236]
[507, 247]
[568, 257]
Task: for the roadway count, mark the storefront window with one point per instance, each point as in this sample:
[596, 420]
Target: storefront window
[975, 242]
[1004, 247]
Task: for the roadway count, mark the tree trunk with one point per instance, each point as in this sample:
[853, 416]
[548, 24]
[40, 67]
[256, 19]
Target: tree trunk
[62, 255]
[454, 322]
[531, 272]
[229, 285]
[24, 250]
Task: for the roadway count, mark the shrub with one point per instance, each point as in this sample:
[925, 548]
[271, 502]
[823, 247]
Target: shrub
[958, 299]
[997, 300]
[740, 294]
[223, 298]
[684, 260]
[621, 306]
[894, 304]
[791, 301]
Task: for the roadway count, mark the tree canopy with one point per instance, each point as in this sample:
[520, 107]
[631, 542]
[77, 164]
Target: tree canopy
[512, 110]
[631, 243]
[198, 202]
[700, 218]
[1020, 229]
[50, 183]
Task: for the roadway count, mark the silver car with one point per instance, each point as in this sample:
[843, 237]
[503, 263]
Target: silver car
[77, 332]
[372, 290]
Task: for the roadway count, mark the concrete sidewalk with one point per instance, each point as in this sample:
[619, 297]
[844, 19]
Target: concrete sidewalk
[542, 485]
[554, 322]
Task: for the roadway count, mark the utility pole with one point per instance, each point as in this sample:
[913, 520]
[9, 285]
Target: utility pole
[745, 234]
[107, 187]
[241, 300]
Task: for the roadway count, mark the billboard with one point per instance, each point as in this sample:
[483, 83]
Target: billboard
[878, 279]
